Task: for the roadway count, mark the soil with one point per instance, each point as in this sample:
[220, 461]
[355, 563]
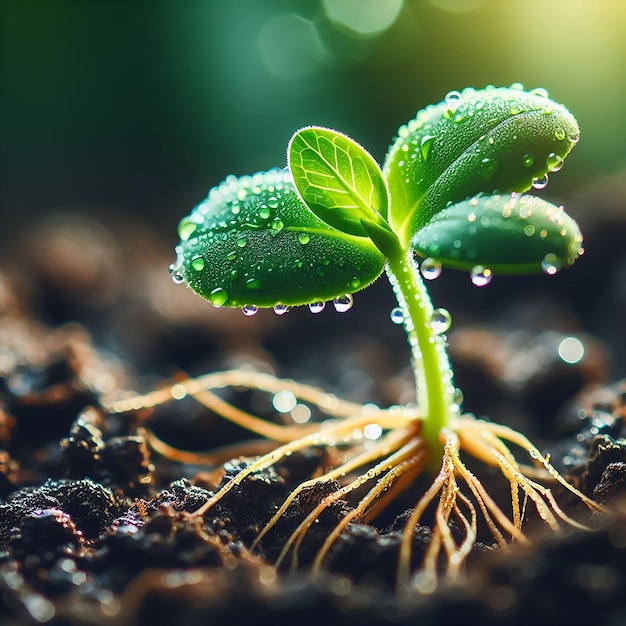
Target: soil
[95, 527]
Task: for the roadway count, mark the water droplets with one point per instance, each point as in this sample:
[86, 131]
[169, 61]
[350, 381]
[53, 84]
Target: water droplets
[481, 275]
[550, 264]
[487, 168]
[218, 297]
[540, 182]
[343, 303]
[317, 307]
[281, 309]
[440, 321]
[197, 263]
[276, 225]
[554, 162]
[426, 144]
[397, 315]
[242, 242]
[528, 160]
[304, 238]
[253, 283]
[186, 228]
[430, 268]
[249, 310]
[559, 134]
[177, 277]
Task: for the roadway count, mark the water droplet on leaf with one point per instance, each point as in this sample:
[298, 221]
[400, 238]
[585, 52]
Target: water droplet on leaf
[281, 309]
[430, 268]
[218, 297]
[550, 264]
[198, 264]
[250, 309]
[481, 275]
[177, 277]
[253, 283]
[488, 168]
[397, 315]
[304, 238]
[554, 162]
[528, 160]
[440, 321]
[343, 303]
[540, 183]
[317, 307]
[426, 144]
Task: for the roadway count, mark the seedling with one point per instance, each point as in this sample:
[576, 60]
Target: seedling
[451, 194]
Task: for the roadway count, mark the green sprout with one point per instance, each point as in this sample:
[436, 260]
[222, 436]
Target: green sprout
[451, 193]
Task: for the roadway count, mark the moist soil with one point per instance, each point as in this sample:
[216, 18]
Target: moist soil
[96, 527]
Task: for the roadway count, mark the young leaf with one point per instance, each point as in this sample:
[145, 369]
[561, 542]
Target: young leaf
[337, 178]
[474, 142]
[510, 234]
[253, 241]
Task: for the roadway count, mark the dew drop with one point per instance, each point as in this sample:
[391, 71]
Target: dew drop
[186, 228]
[541, 92]
[232, 255]
[250, 309]
[528, 160]
[430, 268]
[304, 238]
[343, 303]
[397, 315]
[281, 309]
[198, 264]
[277, 225]
[550, 264]
[559, 134]
[480, 275]
[317, 307]
[253, 283]
[264, 213]
[488, 168]
[554, 162]
[177, 277]
[440, 321]
[218, 297]
[426, 144]
[540, 183]
[574, 137]
[242, 242]
[272, 202]
[452, 97]
[529, 230]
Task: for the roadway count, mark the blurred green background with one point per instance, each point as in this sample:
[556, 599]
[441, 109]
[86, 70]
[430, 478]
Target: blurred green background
[142, 106]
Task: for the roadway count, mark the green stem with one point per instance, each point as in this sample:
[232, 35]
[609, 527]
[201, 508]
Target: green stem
[431, 367]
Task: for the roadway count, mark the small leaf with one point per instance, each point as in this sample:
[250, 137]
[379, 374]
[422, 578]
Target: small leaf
[253, 242]
[509, 234]
[476, 141]
[337, 178]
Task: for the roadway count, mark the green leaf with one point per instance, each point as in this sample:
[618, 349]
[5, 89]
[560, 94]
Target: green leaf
[338, 179]
[253, 242]
[509, 234]
[476, 141]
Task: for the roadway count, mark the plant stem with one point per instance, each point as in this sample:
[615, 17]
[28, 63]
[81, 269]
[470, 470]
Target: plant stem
[431, 367]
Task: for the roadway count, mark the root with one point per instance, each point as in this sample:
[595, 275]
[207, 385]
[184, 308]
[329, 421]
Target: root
[456, 498]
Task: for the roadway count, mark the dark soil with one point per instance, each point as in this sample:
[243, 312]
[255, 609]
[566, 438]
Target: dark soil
[95, 528]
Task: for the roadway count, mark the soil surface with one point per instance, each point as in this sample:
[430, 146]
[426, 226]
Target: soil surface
[95, 526]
